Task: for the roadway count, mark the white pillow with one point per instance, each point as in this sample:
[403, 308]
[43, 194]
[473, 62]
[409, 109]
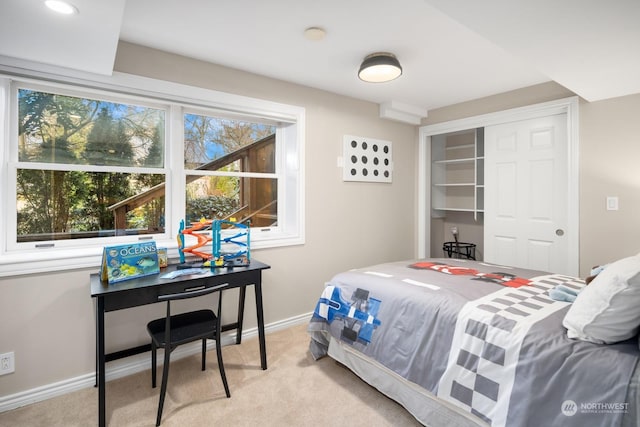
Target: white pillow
[608, 309]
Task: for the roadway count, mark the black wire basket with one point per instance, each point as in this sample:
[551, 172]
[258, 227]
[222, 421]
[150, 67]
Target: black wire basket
[459, 250]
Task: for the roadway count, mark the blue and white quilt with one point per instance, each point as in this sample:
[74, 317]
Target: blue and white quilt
[487, 339]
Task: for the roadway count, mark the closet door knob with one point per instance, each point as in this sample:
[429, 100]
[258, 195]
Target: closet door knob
[559, 232]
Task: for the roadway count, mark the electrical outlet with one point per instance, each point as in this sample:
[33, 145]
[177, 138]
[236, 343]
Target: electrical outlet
[7, 363]
[454, 230]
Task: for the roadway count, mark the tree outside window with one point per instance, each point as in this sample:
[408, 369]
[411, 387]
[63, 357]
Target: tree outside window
[66, 148]
[126, 158]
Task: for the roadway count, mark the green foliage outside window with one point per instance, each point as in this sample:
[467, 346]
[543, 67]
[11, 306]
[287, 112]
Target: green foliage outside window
[78, 159]
[65, 202]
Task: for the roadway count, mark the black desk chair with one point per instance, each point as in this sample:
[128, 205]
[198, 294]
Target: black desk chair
[171, 331]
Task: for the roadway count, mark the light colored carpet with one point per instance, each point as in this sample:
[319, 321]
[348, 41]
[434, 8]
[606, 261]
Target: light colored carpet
[295, 390]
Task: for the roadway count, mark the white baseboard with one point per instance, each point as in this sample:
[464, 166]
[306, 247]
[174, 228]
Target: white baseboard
[131, 365]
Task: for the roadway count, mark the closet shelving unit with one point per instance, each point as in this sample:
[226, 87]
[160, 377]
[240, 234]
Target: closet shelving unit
[457, 172]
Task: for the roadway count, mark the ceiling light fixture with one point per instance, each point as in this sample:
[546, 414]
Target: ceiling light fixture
[61, 7]
[380, 67]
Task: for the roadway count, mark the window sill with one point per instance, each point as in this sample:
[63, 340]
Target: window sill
[49, 260]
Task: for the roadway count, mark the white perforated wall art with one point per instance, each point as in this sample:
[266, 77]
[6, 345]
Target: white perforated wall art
[366, 159]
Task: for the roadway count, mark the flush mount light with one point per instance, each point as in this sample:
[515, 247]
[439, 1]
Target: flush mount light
[61, 7]
[380, 67]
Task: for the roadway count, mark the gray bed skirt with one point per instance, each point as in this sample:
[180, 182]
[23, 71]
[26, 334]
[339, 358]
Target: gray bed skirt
[422, 404]
[427, 408]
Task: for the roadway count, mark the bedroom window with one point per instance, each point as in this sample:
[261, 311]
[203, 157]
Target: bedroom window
[78, 160]
[230, 168]
[88, 167]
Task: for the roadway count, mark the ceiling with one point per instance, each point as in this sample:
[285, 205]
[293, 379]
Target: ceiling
[451, 50]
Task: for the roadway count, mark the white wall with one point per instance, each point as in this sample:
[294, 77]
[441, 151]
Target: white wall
[609, 166]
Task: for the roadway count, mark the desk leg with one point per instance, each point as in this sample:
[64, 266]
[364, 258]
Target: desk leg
[243, 292]
[97, 349]
[100, 364]
[260, 316]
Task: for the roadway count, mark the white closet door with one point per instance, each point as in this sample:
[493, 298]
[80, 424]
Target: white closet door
[526, 190]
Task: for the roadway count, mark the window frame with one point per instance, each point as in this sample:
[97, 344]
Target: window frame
[260, 233]
[176, 99]
[11, 244]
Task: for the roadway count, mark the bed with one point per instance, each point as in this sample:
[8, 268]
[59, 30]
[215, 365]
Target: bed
[465, 343]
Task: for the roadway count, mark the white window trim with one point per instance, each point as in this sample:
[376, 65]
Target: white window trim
[291, 220]
[10, 226]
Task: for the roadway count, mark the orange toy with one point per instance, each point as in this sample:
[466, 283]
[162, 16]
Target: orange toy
[202, 239]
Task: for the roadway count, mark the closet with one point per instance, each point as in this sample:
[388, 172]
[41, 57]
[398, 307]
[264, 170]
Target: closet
[457, 188]
[457, 172]
[507, 182]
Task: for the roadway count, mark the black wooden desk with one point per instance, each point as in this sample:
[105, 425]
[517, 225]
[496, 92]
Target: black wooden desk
[145, 290]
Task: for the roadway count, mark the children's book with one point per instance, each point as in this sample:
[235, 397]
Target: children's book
[125, 262]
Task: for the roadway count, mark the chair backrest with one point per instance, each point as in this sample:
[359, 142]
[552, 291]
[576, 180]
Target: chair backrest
[191, 293]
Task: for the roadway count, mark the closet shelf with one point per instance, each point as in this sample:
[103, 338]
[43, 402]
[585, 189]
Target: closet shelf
[453, 161]
[457, 172]
[459, 209]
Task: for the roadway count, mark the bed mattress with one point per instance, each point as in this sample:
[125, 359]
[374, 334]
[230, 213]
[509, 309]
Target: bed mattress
[460, 342]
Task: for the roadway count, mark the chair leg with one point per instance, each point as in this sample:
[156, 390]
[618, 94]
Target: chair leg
[221, 366]
[154, 348]
[204, 353]
[163, 388]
